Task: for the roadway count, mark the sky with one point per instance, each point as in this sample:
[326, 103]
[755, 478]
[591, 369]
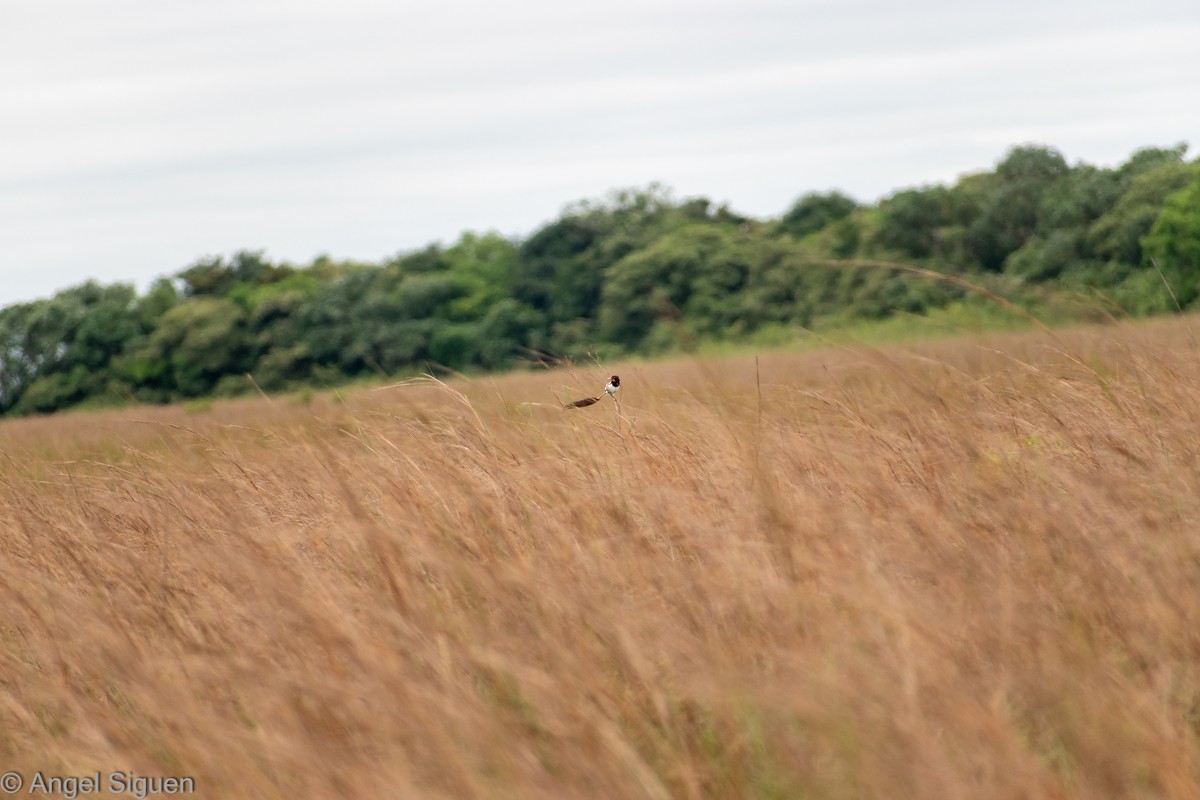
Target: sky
[138, 136]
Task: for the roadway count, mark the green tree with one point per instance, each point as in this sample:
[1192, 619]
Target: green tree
[482, 265]
[61, 350]
[421, 297]
[18, 365]
[695, 270]
[330, 322]
[816, 211]
[1044, 258]
[1079, 199]
[509, 329]
[161, 297]
[108, 322]
[215, 275]
[207, 276]
[910, 222]
[1174, 241]
[455, 345]
[1117, 235]
[194, 345]
[559, 271]
[282, 366]
[1148, 158]
[276, 331]
[1009, 212]
[376, 320]
[781, 287]
[53, 392]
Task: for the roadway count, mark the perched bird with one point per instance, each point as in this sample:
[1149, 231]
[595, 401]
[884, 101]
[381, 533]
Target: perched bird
[611, 388]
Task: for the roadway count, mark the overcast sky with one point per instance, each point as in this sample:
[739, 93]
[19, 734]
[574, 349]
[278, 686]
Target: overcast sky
[139, 135]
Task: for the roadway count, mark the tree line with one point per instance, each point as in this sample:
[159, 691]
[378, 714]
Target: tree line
[636, 272]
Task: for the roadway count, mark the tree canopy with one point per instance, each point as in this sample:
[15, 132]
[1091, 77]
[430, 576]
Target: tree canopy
[638, 271]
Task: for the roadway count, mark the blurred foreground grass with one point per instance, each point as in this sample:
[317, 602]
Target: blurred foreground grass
[955, 569]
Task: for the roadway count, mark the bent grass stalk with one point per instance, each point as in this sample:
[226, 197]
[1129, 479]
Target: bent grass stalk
[971, 573]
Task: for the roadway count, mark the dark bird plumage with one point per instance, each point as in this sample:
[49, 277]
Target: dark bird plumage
[613, 386]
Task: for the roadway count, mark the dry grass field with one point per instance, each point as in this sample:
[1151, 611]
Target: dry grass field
[967, 569]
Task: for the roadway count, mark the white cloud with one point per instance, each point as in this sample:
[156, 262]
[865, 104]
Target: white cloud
[139, 135]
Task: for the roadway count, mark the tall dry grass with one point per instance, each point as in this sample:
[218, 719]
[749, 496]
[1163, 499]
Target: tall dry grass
[967, 570]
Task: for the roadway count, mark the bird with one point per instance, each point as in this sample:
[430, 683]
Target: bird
[611, 388]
